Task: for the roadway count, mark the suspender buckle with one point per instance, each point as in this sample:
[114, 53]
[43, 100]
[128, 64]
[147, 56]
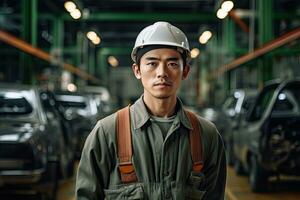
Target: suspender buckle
[127, 172]
[126, 167]
[197, 166]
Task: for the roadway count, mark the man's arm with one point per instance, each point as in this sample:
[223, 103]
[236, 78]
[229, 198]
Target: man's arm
[215, 169]
[93, 169]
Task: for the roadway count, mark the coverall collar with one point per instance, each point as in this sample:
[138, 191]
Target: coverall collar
[141, 115]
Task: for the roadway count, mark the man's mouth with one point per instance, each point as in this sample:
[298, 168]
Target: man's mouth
[163, 84]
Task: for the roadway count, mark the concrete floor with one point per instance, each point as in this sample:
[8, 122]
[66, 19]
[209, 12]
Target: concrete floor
[237, 189]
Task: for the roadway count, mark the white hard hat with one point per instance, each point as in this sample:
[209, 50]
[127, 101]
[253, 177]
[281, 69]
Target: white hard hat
[161, 33]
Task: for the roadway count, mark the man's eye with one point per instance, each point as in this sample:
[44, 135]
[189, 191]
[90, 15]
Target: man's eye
[151, 64]
[173, 64]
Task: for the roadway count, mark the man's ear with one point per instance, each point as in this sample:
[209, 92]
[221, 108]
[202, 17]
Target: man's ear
[136, 70]
[186, 71]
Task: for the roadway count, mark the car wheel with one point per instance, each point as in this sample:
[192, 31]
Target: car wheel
[258, 176]
[52, 175]
[230, 154]
[238, 167]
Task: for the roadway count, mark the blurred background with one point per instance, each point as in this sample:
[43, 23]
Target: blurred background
[66, 64]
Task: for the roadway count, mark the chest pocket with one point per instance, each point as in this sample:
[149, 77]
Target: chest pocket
[124, 192]
[196, 185]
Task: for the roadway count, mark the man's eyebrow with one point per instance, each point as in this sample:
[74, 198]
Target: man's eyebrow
[151, 58]
[168, 59]
[172, 59]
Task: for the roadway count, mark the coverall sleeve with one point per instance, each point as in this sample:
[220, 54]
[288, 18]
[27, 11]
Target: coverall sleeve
[94, 165]
[215, 169]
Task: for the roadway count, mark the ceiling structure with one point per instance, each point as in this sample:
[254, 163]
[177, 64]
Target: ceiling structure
[118, 21]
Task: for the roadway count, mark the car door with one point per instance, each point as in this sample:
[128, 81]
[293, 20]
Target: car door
[248, 134]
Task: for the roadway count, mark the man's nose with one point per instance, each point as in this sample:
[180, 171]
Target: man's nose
[161, 70]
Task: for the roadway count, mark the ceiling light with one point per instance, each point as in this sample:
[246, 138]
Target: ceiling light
[75, 14]
[113, 61]
[96, 40]
[195, 52]
[70, 6]
[205, 36]
[221, 14]
[91, 35]
[71, 87]
[227, 6]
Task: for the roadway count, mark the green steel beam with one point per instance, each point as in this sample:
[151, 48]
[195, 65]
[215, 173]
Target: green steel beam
[102, 69]
[115, 51]
[286, 15]
[58, 32]
[92, 57]
[266, 34]
[265, 21]
[139, 16]
[229, 35]
[126, 50]
[101, 62]
[34, 22]
[29, 22]
[109, 16]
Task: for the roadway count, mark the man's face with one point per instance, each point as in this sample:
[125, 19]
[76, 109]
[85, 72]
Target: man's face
[161, 72]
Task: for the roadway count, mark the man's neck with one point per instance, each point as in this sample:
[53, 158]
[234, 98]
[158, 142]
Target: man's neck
[160, 107]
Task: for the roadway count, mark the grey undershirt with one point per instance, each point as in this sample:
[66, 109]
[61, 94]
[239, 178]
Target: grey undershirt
[163, 123]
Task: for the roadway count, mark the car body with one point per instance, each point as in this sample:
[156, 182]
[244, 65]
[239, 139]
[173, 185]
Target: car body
[267, 140]
[81, 110]
[237, 102]
[32, 148]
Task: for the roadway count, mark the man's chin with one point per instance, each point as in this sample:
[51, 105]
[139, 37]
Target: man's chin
[162, 96]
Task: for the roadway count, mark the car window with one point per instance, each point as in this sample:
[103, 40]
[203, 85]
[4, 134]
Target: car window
[12, 103]
[230, 103]
[287, 103]
[262, 104]
[248, 103]
[71, 101]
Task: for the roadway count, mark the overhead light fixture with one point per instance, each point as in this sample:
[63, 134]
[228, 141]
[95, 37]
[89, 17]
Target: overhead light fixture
[97, 40]
[70, 6]
[195, 52]
[204, 37]
[113, 61]
[227, 6]
[71, 87]
[221, 14]
[92, 35]
[75, 14]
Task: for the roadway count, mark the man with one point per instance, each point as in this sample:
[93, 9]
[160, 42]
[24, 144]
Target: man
[160, 132]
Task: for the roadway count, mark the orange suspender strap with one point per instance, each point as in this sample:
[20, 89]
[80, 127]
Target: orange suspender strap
[126, 167]
[195, 142]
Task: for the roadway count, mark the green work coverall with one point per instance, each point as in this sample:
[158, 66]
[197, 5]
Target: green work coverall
[163, 165]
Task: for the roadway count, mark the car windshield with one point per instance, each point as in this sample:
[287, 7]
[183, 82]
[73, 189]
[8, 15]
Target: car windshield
[13, 103]
[262, 104]
[287, 102]
[71, 101]
[230, 103]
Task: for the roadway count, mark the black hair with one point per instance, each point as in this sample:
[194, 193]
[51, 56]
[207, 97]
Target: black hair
[141, 51]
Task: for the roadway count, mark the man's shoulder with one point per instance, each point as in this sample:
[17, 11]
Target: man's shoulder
[108, 122]
[208, 128]
[205, 123]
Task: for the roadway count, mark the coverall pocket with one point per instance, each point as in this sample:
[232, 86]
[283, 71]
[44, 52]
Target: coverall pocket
[196, 189]
[194, 194]
[130, 192]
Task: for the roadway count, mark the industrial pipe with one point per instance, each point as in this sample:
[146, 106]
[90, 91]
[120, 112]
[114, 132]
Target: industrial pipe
[266, 48]
[27, 48]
